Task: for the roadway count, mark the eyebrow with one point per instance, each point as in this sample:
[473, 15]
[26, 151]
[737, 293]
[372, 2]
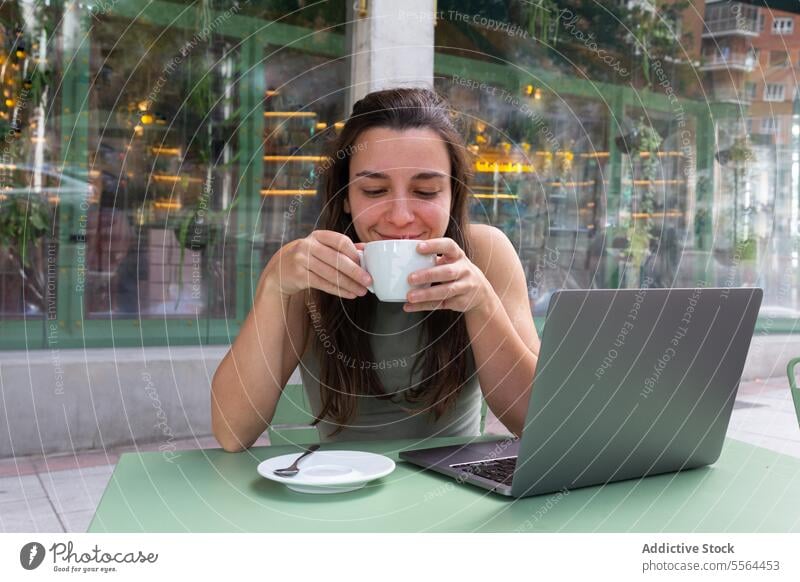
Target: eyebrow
[382, 176]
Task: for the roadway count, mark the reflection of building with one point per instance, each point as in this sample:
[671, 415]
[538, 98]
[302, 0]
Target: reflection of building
[749, 59]
[772, 202]
[727, 53]
[749, 55]
[771, 85]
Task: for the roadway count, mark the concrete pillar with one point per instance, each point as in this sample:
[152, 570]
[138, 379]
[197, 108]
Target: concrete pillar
[391, 46]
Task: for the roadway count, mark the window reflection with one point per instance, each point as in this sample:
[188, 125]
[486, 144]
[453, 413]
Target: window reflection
[150, 162]
[677, 166]
[157, 159]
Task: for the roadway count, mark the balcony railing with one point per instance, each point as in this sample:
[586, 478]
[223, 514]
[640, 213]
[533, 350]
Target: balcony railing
[740, 62]
[730, 26]
[730, 18]
[730, 95]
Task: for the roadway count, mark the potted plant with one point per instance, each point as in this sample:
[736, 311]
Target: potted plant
[25, 214]
[24, 221]
[628, 142]
[641, 236]
[736, 157]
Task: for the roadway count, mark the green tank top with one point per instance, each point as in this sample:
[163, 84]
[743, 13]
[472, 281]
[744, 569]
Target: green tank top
[395, 346]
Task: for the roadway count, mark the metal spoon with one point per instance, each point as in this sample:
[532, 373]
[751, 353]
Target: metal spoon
[292, 469]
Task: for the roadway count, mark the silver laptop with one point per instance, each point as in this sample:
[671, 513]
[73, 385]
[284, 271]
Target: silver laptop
[630, 383]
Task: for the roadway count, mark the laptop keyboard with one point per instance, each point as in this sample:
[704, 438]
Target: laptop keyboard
[499, 470]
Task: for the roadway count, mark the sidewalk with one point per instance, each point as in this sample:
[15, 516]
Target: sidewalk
[60, 494]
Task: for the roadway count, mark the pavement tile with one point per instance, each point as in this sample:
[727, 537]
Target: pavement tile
[778, 445]
[35, 516]
[770, 414]
[77, 521]
[20, 488]
[24, 506]
[763, 386]
[77, 489]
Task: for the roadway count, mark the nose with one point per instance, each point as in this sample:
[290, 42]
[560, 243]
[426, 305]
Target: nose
[400, 212]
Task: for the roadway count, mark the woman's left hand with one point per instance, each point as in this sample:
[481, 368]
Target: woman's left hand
[462, 286]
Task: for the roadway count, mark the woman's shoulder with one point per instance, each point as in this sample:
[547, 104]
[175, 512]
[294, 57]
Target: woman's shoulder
[490, 246]
[481, 235]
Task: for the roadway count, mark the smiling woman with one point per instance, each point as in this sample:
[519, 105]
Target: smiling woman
[403, 201]
[470, 333]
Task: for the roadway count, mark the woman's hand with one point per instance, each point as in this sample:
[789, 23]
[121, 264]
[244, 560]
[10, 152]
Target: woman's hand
[462, 286]
[324, 260]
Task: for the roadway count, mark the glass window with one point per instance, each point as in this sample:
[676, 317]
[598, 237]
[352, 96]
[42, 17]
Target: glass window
[34, 186]
[611, 159]
[177, 173]
[155, 159]
[769, 125]
[783, 25]
[161, 140]
[774, 92]
[154, 154]
[300, 118]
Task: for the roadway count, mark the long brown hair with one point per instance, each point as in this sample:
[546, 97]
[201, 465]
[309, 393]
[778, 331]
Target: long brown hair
[346, 322]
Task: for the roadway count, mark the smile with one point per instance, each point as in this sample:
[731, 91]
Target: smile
[400, 236]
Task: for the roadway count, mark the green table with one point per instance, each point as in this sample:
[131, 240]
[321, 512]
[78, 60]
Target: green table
[749, 489]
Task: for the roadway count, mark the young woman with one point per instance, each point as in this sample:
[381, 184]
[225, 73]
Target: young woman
[387, 370]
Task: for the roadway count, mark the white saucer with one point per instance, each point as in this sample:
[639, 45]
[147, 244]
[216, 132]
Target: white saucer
[329, 471]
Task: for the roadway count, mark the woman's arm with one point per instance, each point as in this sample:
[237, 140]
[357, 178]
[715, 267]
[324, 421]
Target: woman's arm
[251, 377]
[491, 292]
[504, 339]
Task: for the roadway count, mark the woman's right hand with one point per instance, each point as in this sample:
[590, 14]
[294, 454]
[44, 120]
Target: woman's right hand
[324, 260]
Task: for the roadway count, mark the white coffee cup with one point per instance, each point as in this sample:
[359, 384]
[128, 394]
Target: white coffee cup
[389, 263]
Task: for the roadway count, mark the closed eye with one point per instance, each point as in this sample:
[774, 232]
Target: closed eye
[377, 192]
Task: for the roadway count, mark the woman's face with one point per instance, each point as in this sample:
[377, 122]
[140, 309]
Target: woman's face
[399, 185]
